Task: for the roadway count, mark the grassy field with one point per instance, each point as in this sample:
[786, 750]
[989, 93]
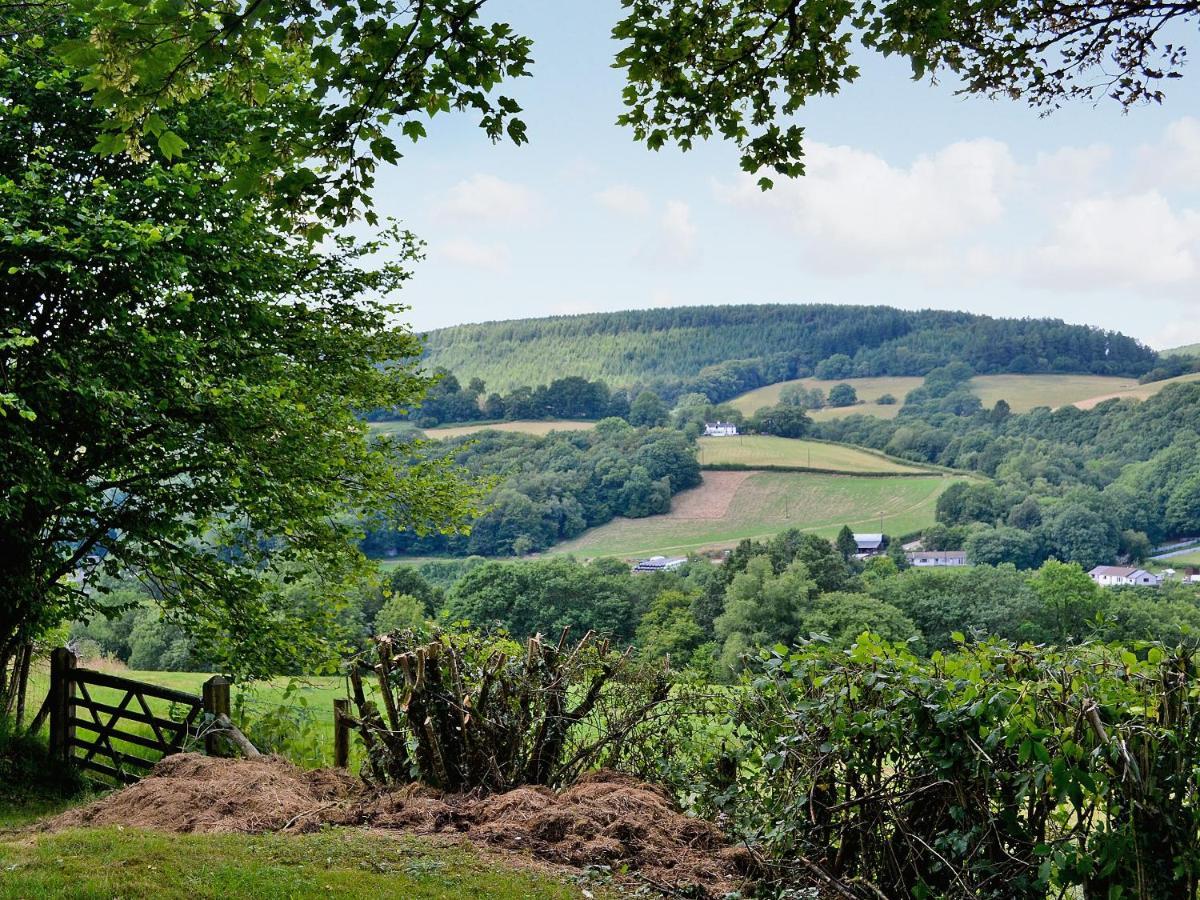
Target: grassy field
[766, 450]
[1185, 350]
[869, 390]
[539, 427]
[307, 729]
[730, 506]
[346, 862]
[1025, 392]
[1137, 392]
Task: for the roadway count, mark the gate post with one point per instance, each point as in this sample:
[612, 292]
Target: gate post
[341, 733]
[62, 692]
[216, 704]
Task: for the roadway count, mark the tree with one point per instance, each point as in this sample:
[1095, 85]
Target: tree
[741, 69]
[1077, 534]
[845, 543]
[648, 410]
[182, 377]
[843, 617]
[781, 421]
[885, 400]
[993, 546]
[1183, 507]
[842, 395]
[669, 629]
[762, 608]
[402, 612]
[1069, 599]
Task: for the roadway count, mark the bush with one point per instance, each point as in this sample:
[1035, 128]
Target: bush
[993, 771]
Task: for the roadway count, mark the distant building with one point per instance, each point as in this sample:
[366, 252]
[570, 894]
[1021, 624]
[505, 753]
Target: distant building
[869, 544]
[924, 558]
[720, 429]
[1113, 576]
[660, 564]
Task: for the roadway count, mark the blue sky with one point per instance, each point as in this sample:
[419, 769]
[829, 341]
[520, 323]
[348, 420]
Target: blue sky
[914, 198]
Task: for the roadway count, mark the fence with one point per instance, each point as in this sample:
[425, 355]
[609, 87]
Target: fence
[70, 699]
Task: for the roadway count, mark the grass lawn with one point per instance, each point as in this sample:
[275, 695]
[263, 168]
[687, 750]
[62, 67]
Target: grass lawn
[1025, 392]
[110, 862]
[730, 506]
[868, 389]
[767, 450]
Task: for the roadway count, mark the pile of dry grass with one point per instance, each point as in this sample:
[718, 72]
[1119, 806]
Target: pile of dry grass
[604, 819]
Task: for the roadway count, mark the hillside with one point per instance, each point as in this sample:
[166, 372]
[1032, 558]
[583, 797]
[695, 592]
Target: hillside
[726, 350]
[1185, 350]
[1022, 392]
[755, 450]
[730, 506]
[1137, 392]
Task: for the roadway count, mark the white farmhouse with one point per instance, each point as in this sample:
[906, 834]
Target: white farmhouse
[926, 558]
[1114, 576]
[720, 429]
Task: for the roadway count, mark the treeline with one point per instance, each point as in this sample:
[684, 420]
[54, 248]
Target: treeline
[723, 351]
[1093, 486]
[552, 488]
[796, 585]
[571, 397]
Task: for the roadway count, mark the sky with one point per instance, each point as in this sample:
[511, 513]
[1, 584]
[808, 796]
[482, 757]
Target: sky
[914, 197]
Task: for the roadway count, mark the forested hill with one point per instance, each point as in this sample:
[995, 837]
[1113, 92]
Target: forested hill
[717, 349]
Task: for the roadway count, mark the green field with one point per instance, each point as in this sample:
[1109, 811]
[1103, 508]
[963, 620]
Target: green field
[1138, 391]
[342, 862]
[1026, 392]
[765, 450]
[308, 727]
[1022, 392]
[868, 389]
[534, 426]
[730, 506]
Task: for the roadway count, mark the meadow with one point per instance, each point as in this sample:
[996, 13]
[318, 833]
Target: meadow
[868, 389]
[731, 506]
[1021, 392]
[767, 450]
[537, 427]
[1137, 391]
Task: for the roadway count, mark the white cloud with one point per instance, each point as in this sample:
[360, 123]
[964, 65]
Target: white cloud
[1184, 330]
[1174, 161]
[1132, 241]
[474, 254]
[1068, 169]
[486, 198]
[853, 209]
[674, 240]
[623, 199]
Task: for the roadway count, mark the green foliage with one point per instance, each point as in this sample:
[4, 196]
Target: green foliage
[763, 609]
[669, 628]
[845, 542]
[648, 410]
[528, 598]
[842, 395]
[725, 351]
[554, 487]
[190, 373]
[402, 612]
[782, 421]
[997, 770]
[842, 617]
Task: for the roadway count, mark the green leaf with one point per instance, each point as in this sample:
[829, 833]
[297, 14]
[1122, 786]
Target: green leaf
[171, 145]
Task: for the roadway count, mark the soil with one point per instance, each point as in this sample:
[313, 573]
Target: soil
[711, 499]
[605, 819]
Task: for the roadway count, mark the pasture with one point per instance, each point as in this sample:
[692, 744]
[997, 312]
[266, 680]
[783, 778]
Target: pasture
[1026, 392]
[1137, 392]
[868, 389]
[539, 427]
[731, 506]
[1021, 392]
[766, 450]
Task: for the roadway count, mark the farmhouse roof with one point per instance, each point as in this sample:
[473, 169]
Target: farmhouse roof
[1114, 571]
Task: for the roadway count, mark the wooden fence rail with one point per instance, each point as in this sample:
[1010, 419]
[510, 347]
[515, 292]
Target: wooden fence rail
[73, 708]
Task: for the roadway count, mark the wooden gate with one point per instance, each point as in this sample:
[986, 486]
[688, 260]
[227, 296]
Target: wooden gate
[73, 708]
